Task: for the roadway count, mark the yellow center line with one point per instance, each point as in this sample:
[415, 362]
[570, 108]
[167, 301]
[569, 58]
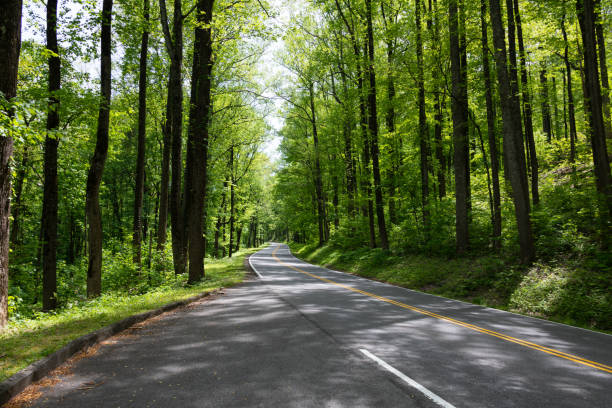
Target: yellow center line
[525, 343]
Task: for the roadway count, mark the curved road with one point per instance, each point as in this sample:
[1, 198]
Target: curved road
[305, 336]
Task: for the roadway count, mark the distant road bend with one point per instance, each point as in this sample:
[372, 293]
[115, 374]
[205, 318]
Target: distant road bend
[305, 336]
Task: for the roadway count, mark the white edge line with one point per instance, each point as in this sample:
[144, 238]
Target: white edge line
[441, 402]
[252, 267]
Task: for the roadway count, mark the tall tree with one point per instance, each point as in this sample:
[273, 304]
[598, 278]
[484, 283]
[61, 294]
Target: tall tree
[459, 107]
[96, 168]
[50, 196]
[570, 94]
[174, 47]
[491, 127]
[527, 109]
[366, 183]
[373, 128]
[603, 67]
[513, 144]
[395, 144]
[232, 201]
[434, 28]
[586, 17]
[423, 130]
[142, 128]
[317, 168]
[10, 46]
[162, 223]
[197, 143]
[546, 120]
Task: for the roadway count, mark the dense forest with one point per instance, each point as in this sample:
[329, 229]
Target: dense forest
[444, 128]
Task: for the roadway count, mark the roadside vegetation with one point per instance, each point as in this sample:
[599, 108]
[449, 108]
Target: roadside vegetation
[31, 334]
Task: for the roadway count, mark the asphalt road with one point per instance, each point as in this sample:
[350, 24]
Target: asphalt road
[305, 336]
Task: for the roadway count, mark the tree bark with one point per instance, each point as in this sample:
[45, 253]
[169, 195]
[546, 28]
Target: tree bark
[165, 177]
[10, 46]
[219, 220]
[142, 127]
[96, 168]
[174, 44]
[232, 201]
[546, 122]
[373, 128]
[317, 169]
[586, 17]
[438, 108]
[15, 238]
[50, 196]
[570, 96]
[394, 154]
[513, 144]
[197, 146]
[496, 220]
[603, 69]
[527, 110]
[460, 131]
[423, 131]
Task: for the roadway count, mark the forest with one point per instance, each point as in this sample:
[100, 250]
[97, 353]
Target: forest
[135, 142]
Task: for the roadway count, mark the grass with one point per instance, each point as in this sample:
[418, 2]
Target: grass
[563, 291]
[24, 341]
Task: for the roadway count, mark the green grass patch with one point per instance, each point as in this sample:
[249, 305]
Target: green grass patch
[24, 341]
[565, 290]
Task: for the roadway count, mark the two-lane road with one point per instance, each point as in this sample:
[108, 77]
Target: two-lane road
[467, 355]
[304, 336]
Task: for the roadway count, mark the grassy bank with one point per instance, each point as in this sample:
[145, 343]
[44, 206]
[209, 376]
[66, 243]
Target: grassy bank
[27, 340]
[565, 291]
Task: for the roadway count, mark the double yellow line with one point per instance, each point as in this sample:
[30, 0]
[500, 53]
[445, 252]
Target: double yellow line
[525, 343]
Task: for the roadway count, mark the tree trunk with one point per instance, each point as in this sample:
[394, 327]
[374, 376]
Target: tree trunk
[603, 70]
[142, 127]
[373, 127]
[50, 196]
[546, 122]
[15, 238]
[96, 168]
[491, 129]
[438, 105]
[527, 109]
[10, 46]
[174, 45]
[162, 225]
[197, 147]
[513, 144]
[555, 105]
[460, 131]
[394, 153]
[570, 96]
[317, 169]
[586, 17]
[232, 201]
[238, 236]
[423, 131]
